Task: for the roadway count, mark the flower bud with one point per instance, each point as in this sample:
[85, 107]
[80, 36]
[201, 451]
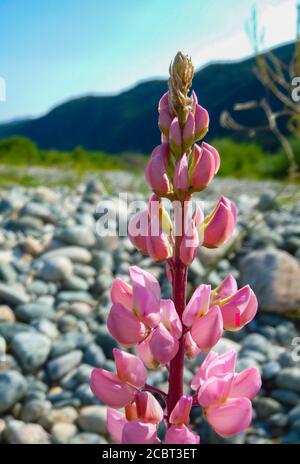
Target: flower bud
[181, 175]
[148, 408]
[163, 345]
[189, 244]
[188, 133]
[138, 230]
[163, 102]
[175, 138]
[219, 225]
[181, 413]
[202, 169]
[164, 121]
[207, 330]
[201, 122]
[156, 170]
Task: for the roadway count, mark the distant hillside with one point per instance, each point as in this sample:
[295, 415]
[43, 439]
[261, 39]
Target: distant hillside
[128, 121]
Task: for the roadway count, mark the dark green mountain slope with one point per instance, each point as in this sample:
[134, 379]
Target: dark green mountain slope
[128, 121]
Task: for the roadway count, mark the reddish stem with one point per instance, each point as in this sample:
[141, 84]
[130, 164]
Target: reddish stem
[155, 390]
[179, 275]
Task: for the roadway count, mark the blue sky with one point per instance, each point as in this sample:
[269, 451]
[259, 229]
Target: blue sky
[52, 50]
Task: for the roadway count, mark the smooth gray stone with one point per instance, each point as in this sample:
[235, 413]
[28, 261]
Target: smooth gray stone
[30, 311]
[289, 378]
[9, 329]
[12, 388]
[94, 355]
[78, 235]
[60, 366]
[54, 268]
[75, 283]
[270, 370]
[12, 296]
[87, 439]
[74, 253]
[31, 349]
[286, 396]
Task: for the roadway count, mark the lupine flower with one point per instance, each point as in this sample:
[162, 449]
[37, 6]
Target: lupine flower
[188, 133]
[219, 225]
[117, 390]
[162, 344]
[181, 434]
[204, 165]
[156, 170]
[164, 121]
[139, 425]
[207, 330]
[155, 327]
[201, 122]
[224, 395]
[175, 137]
[158, 239]
[137, 308]
[189, 245]
[148, 408]
[151, 230]
[238, 307]
[181, 175]
[138, 230]
[181, 412]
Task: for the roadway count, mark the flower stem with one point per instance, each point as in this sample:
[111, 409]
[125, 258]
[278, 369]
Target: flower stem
[155, 390]
[179, 297]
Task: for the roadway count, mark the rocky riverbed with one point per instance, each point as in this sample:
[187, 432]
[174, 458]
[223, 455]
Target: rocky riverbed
[55, 276]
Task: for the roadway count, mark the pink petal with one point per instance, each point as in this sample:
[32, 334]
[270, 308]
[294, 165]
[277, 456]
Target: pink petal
[158, 247]
[204, 170]
[163, 345]
[170, 318]
[220, 224]
[109, 389]
[222, 364]
[181, 413]
[121, 293]
[181, 175]
[164, 101]
[215, 390]
[201, 374]
[198, 304]
[189, 245]
[215, 154]
[146, 355]
[139, 433]
[130, 368]
[181, 434]
[146, 295]
[232, 417]
[118, 318]
[242, 304]
[175, 137]
[213, 365]
[164, 120]
[138, 230]
[226, 289]
[156, 169]
[190, 347]
[148, 408]
[208, 330]
[115, 422]
[246, 384]
[201, 122]
[188, 131]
